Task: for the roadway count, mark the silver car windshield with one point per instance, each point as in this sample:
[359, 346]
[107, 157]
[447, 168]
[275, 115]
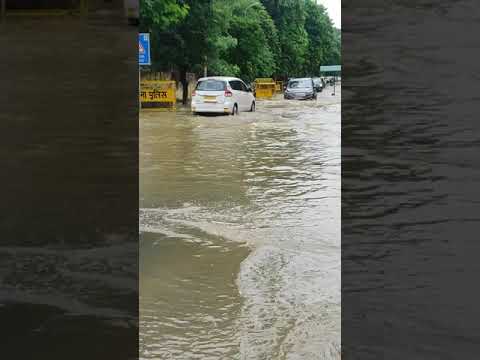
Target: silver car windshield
[211, 85]
[300, 84]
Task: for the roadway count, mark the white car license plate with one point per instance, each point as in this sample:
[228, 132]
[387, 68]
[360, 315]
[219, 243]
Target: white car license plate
[209, 99]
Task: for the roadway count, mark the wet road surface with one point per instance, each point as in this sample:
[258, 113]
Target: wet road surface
[240, 232]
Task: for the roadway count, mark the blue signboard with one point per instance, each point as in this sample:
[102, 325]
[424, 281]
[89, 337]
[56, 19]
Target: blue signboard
[144, 49]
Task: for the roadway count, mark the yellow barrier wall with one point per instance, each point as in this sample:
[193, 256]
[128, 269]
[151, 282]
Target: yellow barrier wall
[264, 88]
[158, 93]
[279, 86]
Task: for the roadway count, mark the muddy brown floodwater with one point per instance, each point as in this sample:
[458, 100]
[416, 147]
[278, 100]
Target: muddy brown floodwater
[240, 232]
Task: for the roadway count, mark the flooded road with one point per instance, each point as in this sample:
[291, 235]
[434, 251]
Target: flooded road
[240, 232]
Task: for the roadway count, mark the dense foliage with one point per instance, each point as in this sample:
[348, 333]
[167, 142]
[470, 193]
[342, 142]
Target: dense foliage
[246, 38]
[161, 13]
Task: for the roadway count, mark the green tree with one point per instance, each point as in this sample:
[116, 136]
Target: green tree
[289, 17]
[256, 49]
[160, 14]
[323, 40]
[334, 55]
[187, 44]
[220, 41]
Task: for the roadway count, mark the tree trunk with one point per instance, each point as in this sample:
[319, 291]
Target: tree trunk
[183, 80]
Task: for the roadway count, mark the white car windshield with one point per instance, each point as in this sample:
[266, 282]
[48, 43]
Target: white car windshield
[300, 84]
[211, 85]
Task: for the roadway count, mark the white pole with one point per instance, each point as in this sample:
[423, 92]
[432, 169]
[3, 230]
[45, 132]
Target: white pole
[205, 67]
[334, 81]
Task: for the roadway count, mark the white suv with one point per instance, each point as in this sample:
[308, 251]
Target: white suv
[220, 94]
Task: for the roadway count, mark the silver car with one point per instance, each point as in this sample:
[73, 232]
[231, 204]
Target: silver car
[300, 89]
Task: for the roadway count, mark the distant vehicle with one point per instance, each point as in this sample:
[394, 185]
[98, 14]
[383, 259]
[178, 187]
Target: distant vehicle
[219, 94]
[301, 89]
[331, 80]
[318, 84]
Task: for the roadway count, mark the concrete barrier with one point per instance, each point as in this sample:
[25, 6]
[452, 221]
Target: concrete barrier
[158, 94]
[264, 88]
[279, 86]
